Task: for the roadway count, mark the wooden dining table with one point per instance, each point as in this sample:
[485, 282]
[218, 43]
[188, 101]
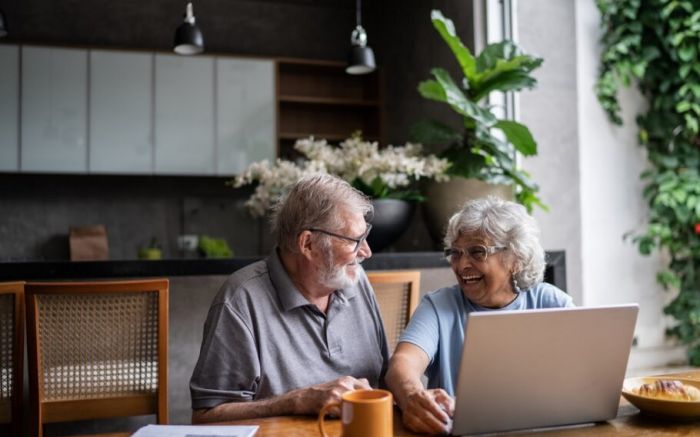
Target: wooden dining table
[629, 422]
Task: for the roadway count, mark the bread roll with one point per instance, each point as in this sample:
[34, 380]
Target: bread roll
[670, 390]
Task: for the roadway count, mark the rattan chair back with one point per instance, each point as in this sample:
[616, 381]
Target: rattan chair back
[97, 349]
[397, 295]
[11, 356]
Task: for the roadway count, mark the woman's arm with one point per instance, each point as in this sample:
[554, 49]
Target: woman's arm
[423, 410]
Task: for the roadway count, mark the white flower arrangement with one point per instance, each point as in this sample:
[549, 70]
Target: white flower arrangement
[380, 173]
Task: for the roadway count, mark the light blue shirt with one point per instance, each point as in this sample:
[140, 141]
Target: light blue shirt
[437, 326]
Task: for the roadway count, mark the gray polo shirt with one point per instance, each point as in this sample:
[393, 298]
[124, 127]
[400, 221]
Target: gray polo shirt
[263, 338]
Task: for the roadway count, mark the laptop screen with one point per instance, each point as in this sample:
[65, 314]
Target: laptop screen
[542, 368]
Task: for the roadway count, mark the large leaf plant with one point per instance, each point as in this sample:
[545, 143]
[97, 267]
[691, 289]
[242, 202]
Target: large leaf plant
[485, 146]
[655, 44]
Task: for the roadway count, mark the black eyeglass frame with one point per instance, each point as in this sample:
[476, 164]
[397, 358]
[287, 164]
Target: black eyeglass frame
[487, 250]
[357, 241]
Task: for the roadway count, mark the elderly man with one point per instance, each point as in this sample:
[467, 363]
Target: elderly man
[291, 333]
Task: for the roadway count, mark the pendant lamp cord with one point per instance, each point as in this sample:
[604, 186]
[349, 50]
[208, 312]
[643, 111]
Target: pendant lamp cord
[358, 12]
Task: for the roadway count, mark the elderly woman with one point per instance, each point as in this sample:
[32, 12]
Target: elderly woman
[494, 250]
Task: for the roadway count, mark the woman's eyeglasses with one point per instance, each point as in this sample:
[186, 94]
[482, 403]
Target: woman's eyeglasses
[477, 252]
[357, 241]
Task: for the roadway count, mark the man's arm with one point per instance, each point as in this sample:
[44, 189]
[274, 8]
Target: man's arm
[276, 406]
[308, 400]
[423, 410]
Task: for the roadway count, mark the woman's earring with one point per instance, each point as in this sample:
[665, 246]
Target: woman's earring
[515, 283]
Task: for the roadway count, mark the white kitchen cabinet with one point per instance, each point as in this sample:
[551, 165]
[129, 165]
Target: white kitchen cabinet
[184, 115]
[54, 110]
[245, 111]
[121, 112]
[9, 108]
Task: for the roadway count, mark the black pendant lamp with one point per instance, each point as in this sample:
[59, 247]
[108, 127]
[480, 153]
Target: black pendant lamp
[361, 57]
[188, 37]
[3, 25]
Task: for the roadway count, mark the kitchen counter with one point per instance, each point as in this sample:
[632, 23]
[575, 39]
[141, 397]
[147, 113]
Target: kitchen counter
[37, 270]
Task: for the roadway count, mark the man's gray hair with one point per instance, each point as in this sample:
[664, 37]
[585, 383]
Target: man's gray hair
[504, 223]
[315, 201]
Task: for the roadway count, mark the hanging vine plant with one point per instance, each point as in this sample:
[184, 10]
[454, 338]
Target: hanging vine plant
[655, 44]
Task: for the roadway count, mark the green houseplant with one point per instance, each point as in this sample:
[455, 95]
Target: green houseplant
[152, 251]
[210, 247]
[656, 45]
[485, 147]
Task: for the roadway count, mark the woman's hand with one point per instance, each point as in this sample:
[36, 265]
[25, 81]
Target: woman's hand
[426, 411]
[429, 411]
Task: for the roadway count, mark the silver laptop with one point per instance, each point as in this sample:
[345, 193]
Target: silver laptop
[542, 368]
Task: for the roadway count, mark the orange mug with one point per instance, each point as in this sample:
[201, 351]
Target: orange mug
[363, 413]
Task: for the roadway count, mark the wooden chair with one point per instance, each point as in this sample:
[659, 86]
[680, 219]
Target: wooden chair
[97, 350]
[397, 295]
[11, 356]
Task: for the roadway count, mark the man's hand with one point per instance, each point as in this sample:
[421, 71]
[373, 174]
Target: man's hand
[310, 400]
[429, 411]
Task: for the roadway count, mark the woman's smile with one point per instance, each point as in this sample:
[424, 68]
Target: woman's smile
[485, 282]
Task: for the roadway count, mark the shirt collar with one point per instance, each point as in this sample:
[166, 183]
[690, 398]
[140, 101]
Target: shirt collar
[288, 294]
[513, 305]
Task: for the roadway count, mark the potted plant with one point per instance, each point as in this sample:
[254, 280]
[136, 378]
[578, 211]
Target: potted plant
[152, 251]
[388, 176]
[209, 247]
[483, 152]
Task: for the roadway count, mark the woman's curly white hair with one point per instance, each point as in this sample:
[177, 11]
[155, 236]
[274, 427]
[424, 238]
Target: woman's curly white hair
[504, 223]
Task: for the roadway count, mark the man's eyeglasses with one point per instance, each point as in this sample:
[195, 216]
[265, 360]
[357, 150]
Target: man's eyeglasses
[357, 241]
[477, 252]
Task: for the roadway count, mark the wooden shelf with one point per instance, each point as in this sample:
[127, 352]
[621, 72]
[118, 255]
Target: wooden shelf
[331, 101]
[321, 136]
[318, 98]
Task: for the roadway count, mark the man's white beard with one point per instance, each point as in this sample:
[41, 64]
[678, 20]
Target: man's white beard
[335, 277]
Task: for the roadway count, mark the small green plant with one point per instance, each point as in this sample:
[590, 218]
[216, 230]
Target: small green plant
[214, 247]
[151, 252]
[485, 147]
[655, 45]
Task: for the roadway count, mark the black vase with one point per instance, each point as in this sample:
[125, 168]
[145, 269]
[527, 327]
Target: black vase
[391, 219]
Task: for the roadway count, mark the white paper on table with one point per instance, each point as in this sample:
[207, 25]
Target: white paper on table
[195, 431]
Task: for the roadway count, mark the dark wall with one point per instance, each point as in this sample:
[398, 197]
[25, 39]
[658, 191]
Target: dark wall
[36, 211]
[408, 48]
[300, 28]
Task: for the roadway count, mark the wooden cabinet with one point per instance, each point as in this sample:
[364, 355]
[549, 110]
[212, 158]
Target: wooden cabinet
[318, 98]
[9, 108]
[121, 112]
[54, 110]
